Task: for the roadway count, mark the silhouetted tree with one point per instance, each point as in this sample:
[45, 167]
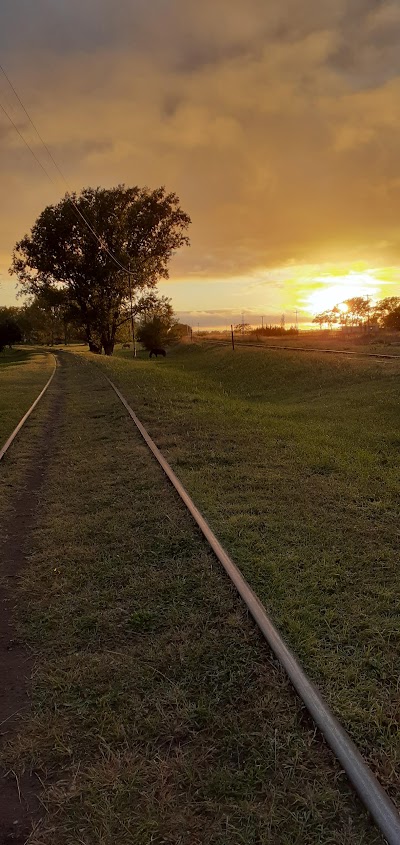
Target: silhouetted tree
[358, 309]
[385, 308]
[360, 312]
[141, 228]
[156, 322]
[319, 319]
[10, 332]
[391, 320]
[153, 334]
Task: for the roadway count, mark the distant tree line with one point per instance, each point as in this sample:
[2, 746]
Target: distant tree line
[48, 321]
[39, 321]
[275, 331]
[360, 313]
[265, 331]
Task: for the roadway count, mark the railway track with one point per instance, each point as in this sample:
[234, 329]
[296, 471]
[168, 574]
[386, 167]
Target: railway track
[373, 796]
[360, 775]
[265, 346]
[26, 416]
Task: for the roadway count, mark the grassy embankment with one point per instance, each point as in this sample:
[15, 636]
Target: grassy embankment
[383, 343]
[294, 459]
[158, 713]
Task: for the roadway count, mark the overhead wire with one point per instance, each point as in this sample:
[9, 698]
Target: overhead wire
[49, 153]
[26, 143]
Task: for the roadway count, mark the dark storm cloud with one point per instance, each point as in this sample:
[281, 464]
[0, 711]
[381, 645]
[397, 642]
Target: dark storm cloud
[369, 43]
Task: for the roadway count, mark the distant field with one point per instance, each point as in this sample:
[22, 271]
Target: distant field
[294, 459]
[384, 343]
[23, 374]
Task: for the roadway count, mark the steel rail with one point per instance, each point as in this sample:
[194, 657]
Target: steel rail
[239, 343]
[372, 794]
[12, 436]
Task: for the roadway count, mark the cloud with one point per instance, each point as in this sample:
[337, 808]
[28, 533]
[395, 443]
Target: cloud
[225, 317]
[276, 123]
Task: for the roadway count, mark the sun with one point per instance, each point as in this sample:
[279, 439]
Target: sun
[325, 298]
[328, 291]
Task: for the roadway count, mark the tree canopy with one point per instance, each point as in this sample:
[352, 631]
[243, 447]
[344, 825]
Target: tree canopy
[358, 311]
[132, 228]
[158, 326]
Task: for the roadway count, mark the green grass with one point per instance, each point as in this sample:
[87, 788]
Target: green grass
[23, 374]
[159, 714]
[294, 460]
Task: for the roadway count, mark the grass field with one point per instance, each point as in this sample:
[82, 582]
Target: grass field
[294, 460]
[23, 374]
[159, 714]
[377, 342]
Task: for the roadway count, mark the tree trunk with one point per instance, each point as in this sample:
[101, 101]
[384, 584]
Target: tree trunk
[107, 338]
[108, 346]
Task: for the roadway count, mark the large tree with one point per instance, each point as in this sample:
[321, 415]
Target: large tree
[386, 312]
[131, 228]
[392, 319]
[358, 310]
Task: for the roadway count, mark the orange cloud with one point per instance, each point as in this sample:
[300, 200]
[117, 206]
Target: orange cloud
[276, 123]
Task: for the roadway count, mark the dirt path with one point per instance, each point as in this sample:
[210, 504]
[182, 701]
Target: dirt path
[19, 802]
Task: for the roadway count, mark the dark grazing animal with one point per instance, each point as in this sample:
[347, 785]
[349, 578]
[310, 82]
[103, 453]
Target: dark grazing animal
[157, 352]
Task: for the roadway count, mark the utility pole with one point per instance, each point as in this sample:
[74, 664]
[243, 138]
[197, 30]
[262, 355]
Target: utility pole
[297, 323]
[368, 298]
[262, 323]
[132, 318]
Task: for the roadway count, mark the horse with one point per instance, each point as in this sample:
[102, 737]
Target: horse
[157, 351]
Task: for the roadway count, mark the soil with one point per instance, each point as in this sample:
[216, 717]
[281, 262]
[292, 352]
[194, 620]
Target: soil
[20, 805]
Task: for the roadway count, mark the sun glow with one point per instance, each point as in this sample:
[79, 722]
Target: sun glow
[329, 291]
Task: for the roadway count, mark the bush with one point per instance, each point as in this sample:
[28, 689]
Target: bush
[10, 333]
[154, 333]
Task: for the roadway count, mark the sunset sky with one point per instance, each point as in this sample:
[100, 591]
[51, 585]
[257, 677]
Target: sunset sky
[277, 123]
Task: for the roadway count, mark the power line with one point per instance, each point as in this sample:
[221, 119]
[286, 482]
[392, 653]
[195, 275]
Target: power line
[34, 126]
[26, 143]
[81, 215]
